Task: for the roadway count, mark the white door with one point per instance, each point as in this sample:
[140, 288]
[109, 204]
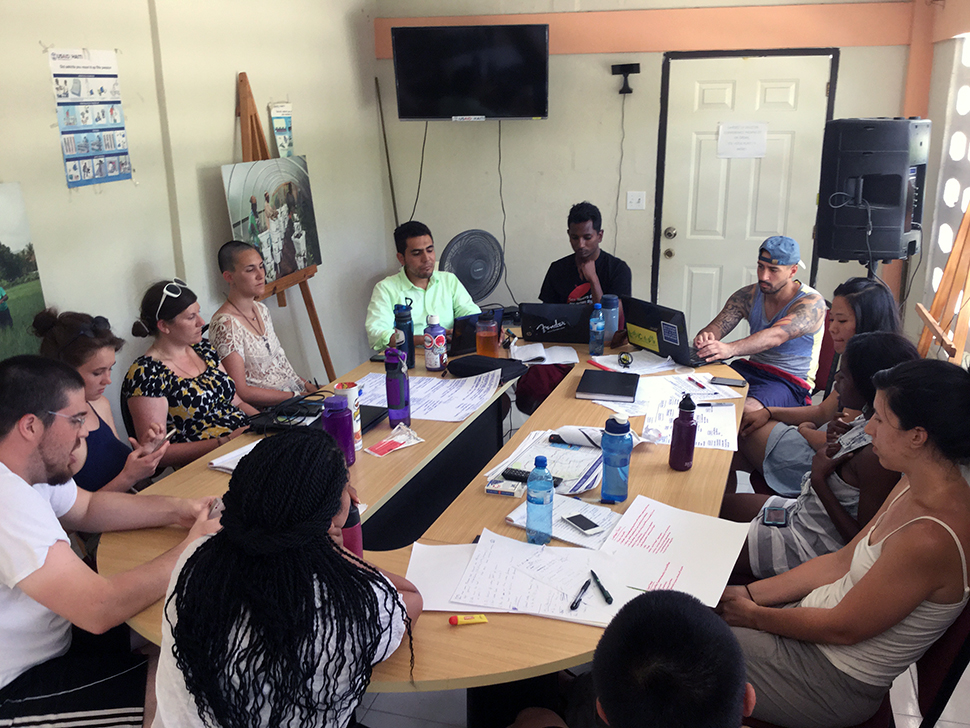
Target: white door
[716, 212]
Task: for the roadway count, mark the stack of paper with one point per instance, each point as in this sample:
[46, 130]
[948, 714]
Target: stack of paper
[227, 463]
[563, 506]
[579, 467]
[434, 398]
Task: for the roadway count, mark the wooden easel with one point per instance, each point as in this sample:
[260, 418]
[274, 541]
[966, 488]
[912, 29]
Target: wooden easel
[254, 148]
[950, 294]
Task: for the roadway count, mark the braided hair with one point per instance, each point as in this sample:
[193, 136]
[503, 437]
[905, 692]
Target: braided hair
[270, 610]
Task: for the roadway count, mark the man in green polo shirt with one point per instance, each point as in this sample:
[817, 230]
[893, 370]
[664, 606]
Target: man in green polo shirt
[429, 291]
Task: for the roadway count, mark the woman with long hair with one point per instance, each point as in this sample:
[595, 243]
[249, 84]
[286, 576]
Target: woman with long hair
[857, 618]
[87, 344]
[179, 382]
[269, 622]
[780, 442]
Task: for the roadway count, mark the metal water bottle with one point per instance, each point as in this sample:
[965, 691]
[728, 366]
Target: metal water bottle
[683, 436]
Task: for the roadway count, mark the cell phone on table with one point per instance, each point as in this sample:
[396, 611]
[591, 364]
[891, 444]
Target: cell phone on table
[728, 381]
[774, 516]
[582, 523]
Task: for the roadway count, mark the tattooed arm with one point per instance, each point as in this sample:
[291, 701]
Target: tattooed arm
[805, 316]
[738, 307]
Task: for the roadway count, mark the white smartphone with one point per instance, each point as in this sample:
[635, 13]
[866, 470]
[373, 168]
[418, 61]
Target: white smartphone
[169, 436]
[582, 523]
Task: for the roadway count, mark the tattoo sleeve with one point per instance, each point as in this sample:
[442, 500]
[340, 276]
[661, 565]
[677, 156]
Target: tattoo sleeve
[738, 307]
[804, 317]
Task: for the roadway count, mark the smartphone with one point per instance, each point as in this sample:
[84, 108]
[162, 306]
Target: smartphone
[216, 509]
[169, 436]
[582, 523]
[728, 381]
[774, 516]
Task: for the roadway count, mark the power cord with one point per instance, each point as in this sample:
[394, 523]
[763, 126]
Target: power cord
[919, 262]
[619, 176]
[871, 267]
[501, 199]
[417, 194]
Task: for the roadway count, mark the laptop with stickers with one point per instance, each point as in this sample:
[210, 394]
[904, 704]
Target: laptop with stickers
[661, 330]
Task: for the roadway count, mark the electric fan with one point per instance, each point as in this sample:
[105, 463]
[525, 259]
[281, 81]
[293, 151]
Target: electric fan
[475, 256]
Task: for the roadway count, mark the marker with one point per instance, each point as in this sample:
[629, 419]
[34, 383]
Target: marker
[691, 379]
[457, 620]
[598, 365]
[715, 404]
[579, 597]
[599, 585]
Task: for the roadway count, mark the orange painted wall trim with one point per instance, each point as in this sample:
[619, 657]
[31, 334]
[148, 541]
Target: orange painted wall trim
[692, 29]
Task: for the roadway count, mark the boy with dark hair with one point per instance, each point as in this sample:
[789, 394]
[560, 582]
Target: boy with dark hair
[665, 661]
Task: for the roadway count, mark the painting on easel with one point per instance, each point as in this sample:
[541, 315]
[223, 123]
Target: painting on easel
[270, 206]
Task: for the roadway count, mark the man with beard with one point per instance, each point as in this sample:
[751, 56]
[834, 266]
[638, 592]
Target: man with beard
[52, 605]
[786, 321]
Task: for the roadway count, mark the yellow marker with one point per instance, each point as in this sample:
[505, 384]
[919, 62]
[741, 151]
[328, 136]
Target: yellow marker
[456, 620]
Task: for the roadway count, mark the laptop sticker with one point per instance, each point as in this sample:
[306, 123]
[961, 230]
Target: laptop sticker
[669, 332]
[642, 337]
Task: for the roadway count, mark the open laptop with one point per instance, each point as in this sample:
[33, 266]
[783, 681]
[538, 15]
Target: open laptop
[565, 323]
[661, 330]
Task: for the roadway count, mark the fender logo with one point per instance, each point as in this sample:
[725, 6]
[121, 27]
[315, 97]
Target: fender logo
[554, 326]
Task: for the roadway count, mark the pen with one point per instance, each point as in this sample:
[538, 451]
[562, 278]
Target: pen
[714, 404]
[599, 585]
[691, 379]
[579, 597]
[598, 365]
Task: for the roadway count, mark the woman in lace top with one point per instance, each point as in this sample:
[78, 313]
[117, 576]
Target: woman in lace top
[243, 335]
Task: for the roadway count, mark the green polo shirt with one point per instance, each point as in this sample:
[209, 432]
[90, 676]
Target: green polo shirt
[445, 296]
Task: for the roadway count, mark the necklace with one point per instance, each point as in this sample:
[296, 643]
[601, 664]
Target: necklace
[251, 321]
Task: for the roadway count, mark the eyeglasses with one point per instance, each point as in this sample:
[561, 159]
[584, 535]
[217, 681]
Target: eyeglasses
[76, 420]
[171, 290]
[91, 330]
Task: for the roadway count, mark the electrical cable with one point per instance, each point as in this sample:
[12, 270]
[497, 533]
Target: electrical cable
[849, 198]
[417, 193]
[619, 176]
[501, 199]
[912, 278]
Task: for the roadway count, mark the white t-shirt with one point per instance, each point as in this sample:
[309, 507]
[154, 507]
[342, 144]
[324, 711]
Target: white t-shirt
[176, 706]
[30, 633]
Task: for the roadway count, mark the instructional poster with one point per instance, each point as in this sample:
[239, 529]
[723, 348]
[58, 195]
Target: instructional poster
[89, 116]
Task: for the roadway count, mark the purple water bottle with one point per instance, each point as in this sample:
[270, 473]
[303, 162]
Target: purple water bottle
[683, 436]
[398, 392]
[338, 420]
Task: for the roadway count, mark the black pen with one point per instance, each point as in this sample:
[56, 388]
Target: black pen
[579, 597]
[599, 585]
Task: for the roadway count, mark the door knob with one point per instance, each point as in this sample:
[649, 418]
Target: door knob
[668, 253]
[670, 233]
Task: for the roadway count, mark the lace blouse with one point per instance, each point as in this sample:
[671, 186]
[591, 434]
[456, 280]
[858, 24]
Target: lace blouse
[263, 356]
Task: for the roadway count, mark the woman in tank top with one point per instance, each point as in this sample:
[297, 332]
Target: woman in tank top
[857, 618]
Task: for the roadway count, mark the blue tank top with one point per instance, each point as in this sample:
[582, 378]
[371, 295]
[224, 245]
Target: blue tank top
[106, 458]
[798, 356]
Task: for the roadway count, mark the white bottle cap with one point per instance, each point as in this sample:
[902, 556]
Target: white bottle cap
[432, 319]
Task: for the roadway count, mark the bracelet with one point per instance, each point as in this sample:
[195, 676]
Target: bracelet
[750, 595]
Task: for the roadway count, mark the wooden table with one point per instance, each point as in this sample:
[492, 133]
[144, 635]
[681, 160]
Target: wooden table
[517, 646]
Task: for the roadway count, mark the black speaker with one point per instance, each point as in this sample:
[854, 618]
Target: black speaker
[873, 176]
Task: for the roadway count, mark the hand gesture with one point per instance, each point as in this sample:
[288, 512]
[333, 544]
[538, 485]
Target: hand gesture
[837, 427]
[736, 607]
[713, 350]
[823, 464]
[143, 461]
[203, 525]
[754, 420]
[587, 269]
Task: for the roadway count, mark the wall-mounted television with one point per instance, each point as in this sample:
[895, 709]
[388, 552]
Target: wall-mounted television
[472, 71]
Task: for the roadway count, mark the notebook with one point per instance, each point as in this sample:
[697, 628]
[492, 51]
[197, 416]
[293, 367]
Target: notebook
[609, 386]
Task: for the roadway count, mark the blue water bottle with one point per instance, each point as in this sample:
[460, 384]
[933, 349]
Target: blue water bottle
[617, 446]
[398, 391]
[597, 329]
[538, 514]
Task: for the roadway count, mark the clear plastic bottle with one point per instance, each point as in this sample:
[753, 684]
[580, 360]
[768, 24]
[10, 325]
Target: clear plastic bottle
[611, 314]
[486, 335]
[617, 446]
[683, 436]
[538, 515]
[398, 390]
[435, 345]
[597, 327]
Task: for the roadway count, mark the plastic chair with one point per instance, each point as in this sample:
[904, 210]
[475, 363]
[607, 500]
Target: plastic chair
[937, 673]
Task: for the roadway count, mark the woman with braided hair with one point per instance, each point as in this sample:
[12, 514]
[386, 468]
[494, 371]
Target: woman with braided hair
[269, 622]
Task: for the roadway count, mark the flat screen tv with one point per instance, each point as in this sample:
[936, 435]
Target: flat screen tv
[472, 71]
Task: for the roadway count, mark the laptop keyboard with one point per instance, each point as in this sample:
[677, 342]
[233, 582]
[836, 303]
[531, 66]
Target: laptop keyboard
[698, 361]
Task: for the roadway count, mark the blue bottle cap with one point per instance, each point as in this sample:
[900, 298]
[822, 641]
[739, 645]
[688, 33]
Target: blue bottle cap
[540, 461]
[597, 305]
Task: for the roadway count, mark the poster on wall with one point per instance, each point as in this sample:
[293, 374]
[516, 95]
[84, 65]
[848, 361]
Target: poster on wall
[89, 116]
[21, 296]
[282, 116]
[271, 207]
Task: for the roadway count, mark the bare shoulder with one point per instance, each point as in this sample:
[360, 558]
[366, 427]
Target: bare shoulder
[742, 299]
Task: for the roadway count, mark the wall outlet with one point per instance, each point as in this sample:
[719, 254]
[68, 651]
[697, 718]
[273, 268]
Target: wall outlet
[636, 200]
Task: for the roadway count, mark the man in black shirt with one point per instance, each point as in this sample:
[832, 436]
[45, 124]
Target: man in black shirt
[589, 272]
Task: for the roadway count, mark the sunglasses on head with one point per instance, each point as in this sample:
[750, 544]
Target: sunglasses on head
[91, 330]
[171, 290]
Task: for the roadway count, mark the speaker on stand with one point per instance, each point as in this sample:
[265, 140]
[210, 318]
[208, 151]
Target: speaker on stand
[873, 175]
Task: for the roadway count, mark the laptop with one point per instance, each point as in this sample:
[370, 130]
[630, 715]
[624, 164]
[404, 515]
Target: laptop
[661, 330]
[564, 323]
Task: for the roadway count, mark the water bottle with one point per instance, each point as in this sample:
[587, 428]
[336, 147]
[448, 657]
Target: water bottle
[617, 446]
[597, 326]
[338, 420]
[538, 514]
[404, 331]
[611, 314]
[683, 436]
[435, 345]
[398, 392]
[486, 335]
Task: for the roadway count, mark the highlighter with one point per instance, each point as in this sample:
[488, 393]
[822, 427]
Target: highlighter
[456, 620]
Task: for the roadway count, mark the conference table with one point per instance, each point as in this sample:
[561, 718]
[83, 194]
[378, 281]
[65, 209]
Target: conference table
[510, 646]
